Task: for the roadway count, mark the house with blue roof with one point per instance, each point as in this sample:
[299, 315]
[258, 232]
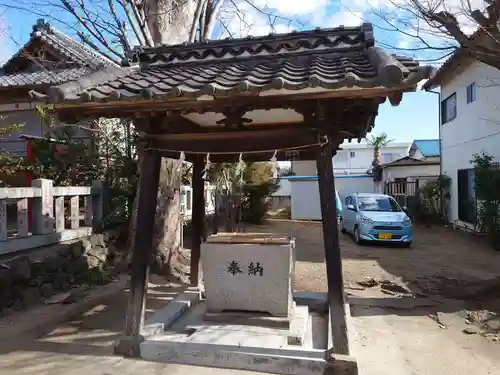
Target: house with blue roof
[423, 163]
[425, 149]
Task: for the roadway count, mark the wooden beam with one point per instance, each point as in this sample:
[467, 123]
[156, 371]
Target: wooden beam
[128, 108]
[142, 254]
[333, 256]
[309, 153]
[197, 221]
[246, 142]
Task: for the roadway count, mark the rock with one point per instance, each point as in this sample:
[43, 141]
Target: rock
[55, 263]
[38, 269]
[17, 290]
[97, 240]
[471, 330]
[92, 261]
[65, 286]
[368, 282]
[76, 294]
[58, 298]
[36, 281]
[46, 290]
[30, 297]
[8, 311]
[5, 299]
[61, 279]
[17, 305]
[100, 253]
[21, 269]
[5, 278]
[64, 252]
[75, 266]
[393, 287]
[80, 248]
[492, 324]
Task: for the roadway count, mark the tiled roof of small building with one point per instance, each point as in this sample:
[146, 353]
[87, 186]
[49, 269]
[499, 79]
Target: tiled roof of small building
[76, 61]
[338, 58]
[38, 78]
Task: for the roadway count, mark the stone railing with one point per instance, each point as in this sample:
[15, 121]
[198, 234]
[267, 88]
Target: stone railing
[57, 214]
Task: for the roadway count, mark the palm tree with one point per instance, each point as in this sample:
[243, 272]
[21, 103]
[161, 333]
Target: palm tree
[378, 142]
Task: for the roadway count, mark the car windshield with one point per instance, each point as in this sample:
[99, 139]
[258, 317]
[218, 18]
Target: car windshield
[380, 204]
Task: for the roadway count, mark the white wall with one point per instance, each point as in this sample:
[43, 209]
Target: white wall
[476, 127]
[305, 200]
[32, 125]
[285, 188]
[354, 158]
[305, 193]
[304, 168]
[414, 171]
[358, 157]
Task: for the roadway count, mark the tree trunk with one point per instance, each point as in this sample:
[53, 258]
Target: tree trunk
[167, 237]
[376, 158]
[169, 22]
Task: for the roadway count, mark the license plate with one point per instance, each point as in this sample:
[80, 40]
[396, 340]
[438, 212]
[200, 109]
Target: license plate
[385, 236]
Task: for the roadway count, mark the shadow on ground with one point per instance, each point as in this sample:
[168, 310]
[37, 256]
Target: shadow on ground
[93, 332]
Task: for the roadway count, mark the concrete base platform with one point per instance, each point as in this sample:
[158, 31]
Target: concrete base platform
[241, 342]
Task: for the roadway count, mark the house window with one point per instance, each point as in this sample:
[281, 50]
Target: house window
[466, 196]
[449, 108]
[352, 154]
[471, 93]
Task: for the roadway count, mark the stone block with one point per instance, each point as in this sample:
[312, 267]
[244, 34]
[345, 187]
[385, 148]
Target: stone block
[22, 217]
[21, 268]
[249, 272]
[43, 208]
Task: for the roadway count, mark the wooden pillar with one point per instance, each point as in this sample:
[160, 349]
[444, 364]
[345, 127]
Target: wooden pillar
[333, 255]
[197, 221]
[142, 254]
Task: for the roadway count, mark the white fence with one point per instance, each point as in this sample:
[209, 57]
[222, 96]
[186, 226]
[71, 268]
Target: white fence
[56, 214]
[61, 213]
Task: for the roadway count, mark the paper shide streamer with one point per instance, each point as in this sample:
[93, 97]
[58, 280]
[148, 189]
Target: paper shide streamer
[207, 167]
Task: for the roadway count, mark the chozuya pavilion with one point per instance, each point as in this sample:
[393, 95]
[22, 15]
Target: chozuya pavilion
[296, 95]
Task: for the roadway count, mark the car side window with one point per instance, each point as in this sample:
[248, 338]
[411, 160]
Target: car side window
[347, 200]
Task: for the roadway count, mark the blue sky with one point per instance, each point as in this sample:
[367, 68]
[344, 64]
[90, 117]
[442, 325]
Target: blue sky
[415, 118]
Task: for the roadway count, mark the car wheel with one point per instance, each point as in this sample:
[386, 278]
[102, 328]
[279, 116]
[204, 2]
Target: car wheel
[357, 236]
[342, 228]
[407, 244]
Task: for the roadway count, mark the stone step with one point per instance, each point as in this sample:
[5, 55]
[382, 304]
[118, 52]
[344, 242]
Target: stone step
[277, 360]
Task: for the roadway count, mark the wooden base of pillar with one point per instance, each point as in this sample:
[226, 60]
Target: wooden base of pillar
[142, 255]
[128, 346]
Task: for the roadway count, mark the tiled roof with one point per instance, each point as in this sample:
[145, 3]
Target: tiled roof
[339, 58]
[76, 61]
[408, 160]
[41, 77]
[428, 147]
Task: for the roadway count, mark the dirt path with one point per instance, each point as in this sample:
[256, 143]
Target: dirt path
[411, 321]
[408, 318]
